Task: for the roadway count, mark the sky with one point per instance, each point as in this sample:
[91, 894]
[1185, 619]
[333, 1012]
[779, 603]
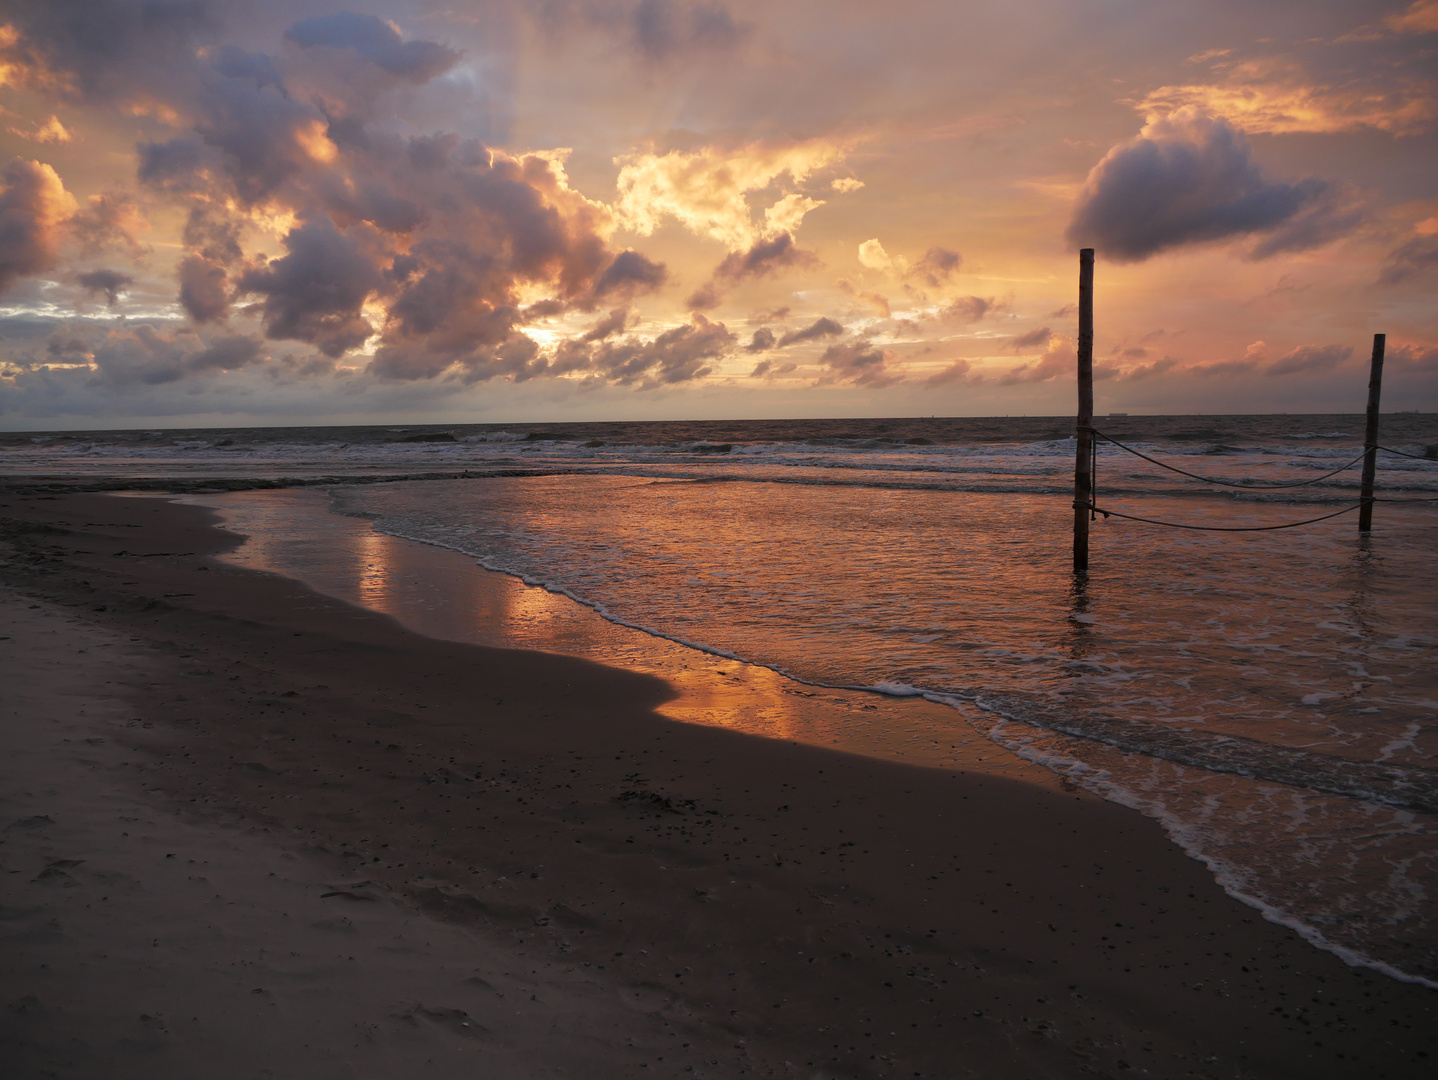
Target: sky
[235, 213]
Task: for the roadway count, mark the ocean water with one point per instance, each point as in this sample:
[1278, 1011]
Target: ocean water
[1271, 697]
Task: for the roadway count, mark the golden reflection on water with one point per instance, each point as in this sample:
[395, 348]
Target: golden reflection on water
[443, 594]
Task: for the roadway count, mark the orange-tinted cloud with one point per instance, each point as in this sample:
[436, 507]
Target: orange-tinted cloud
[1277, 97]
[33, 206]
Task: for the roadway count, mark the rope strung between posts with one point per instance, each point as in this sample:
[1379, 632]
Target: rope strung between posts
[1218, 528]
[1252, 486]
[1400, 453]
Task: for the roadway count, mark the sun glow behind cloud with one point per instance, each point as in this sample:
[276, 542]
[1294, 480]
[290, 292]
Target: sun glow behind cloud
[755, 212]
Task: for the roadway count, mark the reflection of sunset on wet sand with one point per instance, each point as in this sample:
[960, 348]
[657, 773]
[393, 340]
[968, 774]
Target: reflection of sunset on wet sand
[445, 595]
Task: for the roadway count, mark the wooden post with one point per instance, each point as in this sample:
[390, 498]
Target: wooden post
[1083, 429]
[1370, 435]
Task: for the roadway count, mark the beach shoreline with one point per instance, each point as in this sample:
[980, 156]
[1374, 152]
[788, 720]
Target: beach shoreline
[810, 911]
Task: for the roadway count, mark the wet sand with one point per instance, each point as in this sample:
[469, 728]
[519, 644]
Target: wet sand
[525, 844]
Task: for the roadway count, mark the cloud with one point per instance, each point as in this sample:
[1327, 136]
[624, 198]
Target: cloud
[616, 322]
[664, 29]
[109, 220]
[873, 256]
[109, 283]
[958, 371]
[101, 50]
[1032, 338]
[1419, 255]
[33, 206]
[1412, 357]
[765, 258]
[1189, 178]
[768, 369]
[1420, 18]
[821, 328]
[968, 309]
[51, 131]
[376, 41]
[678, 355]
[1276, 95]
[1058, 360]
[1149, 370]
[1309, 358]
[127, 357]
[762, 341]
[317, 291]
[708, 190]
[937, 267]
[860, 364]
[630, 273]
[204, 288]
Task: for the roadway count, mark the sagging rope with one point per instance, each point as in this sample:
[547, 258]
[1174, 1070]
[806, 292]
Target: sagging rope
[1400, 453]
[1254, 486]
[1219, 528]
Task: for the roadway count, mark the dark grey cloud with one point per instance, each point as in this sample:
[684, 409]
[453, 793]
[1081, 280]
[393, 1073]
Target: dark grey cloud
[764, 258]
[968, 309]
[103, 50]
[820, 328]
[679, 355]
[769, 369]
[1058, 360]
[1408, 357]
[316, 292]
[108, 221]
[938, 265]
[956, 372]
[141, 354]
[226, 354]
[1150, 369]
[858, 363]
[630, 273]
[33, 206]
[1190, 178]
[616, 322]
[1309, 358]
[171, 165]
[102, 282]
[376, 41]
[204, 288]
[1417, 256]
[762, 341]
[1032, 338]
[664, 29]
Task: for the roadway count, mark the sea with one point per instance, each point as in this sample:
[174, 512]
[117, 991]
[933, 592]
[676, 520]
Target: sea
[1268, 693]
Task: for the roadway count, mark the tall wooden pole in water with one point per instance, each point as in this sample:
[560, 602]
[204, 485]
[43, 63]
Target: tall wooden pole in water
[1370, 435]
[1083, 459]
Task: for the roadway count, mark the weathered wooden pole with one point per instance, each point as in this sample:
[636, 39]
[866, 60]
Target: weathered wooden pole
[1370, 435]
[1083, 428]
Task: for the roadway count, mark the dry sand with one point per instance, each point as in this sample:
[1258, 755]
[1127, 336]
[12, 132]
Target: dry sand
[248, 830]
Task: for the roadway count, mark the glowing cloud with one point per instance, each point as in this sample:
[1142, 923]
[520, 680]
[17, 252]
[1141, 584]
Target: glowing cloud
[707, 191]
[33, 205]
[1270, 97]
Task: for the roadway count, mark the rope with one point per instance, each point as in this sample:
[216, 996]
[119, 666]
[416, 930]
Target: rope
[1225, 483]
[1219, 528]
[1400, 453]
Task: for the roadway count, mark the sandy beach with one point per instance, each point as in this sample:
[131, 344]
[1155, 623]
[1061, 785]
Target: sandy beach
[251, 830]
